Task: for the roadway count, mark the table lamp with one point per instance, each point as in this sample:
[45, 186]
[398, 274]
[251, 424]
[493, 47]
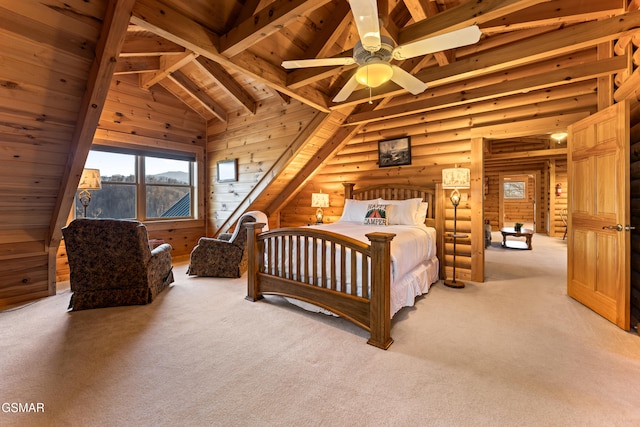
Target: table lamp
[90, 180]
[319, 200]
[455, 178]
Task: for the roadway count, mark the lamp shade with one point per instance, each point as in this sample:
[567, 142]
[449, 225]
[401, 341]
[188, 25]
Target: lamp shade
[374, 74]
[456, 178]
[319, 200]
[90, 180]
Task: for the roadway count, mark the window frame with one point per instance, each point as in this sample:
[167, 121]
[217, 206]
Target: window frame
[141, 185]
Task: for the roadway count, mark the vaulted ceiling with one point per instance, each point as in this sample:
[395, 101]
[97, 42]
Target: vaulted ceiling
[222, 57]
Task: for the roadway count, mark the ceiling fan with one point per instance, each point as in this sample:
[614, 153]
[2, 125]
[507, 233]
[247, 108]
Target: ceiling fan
[374, 52]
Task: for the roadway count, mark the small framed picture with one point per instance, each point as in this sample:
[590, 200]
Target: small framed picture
[394, 152]
[227, 170]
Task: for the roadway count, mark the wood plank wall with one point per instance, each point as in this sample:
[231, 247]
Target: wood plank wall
[46, 55]
[257, 142]
[154, 119]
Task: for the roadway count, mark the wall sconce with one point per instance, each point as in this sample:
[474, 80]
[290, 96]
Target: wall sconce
[455, 178]
[90, 180]
[559, 136]
[319, 200]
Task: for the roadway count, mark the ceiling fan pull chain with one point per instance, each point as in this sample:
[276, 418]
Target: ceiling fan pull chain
[370, 101]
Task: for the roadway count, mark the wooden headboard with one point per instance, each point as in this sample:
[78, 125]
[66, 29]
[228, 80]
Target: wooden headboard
[394, 192]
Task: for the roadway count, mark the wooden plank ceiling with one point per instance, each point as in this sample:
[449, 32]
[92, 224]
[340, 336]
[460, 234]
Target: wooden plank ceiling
[224, 57]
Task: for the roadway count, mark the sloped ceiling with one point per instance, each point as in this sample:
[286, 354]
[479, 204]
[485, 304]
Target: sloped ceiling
[223, 57]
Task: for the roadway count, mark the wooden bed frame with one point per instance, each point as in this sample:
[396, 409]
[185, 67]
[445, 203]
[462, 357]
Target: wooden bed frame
[268, 275]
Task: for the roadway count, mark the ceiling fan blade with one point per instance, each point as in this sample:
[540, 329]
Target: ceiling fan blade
[347, 89]
[365, 14]
[318, 62]
[451, 40]
[407, 81]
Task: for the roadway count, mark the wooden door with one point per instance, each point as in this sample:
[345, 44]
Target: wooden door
[598, 270]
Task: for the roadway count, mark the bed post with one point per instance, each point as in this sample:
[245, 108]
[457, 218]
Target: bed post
[254, 255]
[380, 298]
[348, 189]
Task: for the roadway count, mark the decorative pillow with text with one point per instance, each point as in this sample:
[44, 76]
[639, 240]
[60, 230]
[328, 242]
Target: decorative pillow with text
[376, 215]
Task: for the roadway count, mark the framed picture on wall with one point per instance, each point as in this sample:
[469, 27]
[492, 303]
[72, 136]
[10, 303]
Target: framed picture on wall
[227, 170]
[394, 152]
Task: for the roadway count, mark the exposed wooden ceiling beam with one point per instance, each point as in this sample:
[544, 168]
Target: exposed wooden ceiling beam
[331, 31]
[420, 10]
[172, 25]
[535, 154]
[112, 35]
[142, 43]
[265, 22]
[168, 64]
[137, 64]
[227, 83]
[508, 109]
[526, 51]
[181, 94]
[528, 127]
[466, 14]
[549, 14]
[522, 85]
[199, 95]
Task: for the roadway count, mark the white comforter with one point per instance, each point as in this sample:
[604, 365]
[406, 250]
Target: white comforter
[414, 265]
[412, 245]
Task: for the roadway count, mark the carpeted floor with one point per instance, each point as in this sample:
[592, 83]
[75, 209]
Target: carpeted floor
[514, 350]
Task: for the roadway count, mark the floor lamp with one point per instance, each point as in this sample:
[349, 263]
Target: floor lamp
[90, 180]
[455, 179]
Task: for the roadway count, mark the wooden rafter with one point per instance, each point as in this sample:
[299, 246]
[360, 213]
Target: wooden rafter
[198, 94]
[139, 43]
[264, 23]
[137, 64]
[114, 30]
[526, 51]
[172, 25]
[526, 84]
[227, 83]
[168, 64]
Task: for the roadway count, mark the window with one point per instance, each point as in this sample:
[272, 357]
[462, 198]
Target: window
[514, 190]
[165, 192]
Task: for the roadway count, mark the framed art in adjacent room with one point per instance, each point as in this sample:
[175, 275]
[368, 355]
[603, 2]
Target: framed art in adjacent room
[394, 152]
[227, 170]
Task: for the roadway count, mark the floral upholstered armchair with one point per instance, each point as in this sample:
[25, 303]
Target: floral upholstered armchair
[225, 256]
[111, 263]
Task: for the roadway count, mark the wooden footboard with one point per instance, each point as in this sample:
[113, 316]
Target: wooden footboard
[322, 268]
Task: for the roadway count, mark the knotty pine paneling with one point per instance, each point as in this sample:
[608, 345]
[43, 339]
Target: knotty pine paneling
[135, 117]
[46, 55]
[258, 142]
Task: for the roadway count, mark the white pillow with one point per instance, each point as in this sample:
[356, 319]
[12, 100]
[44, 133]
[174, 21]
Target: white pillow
[355, 210]
[421, 214]
[402, 212]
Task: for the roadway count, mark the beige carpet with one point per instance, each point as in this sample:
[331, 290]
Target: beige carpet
[514, 350]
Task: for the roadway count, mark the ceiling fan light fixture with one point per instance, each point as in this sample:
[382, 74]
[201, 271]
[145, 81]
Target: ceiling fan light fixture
[374, 74]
